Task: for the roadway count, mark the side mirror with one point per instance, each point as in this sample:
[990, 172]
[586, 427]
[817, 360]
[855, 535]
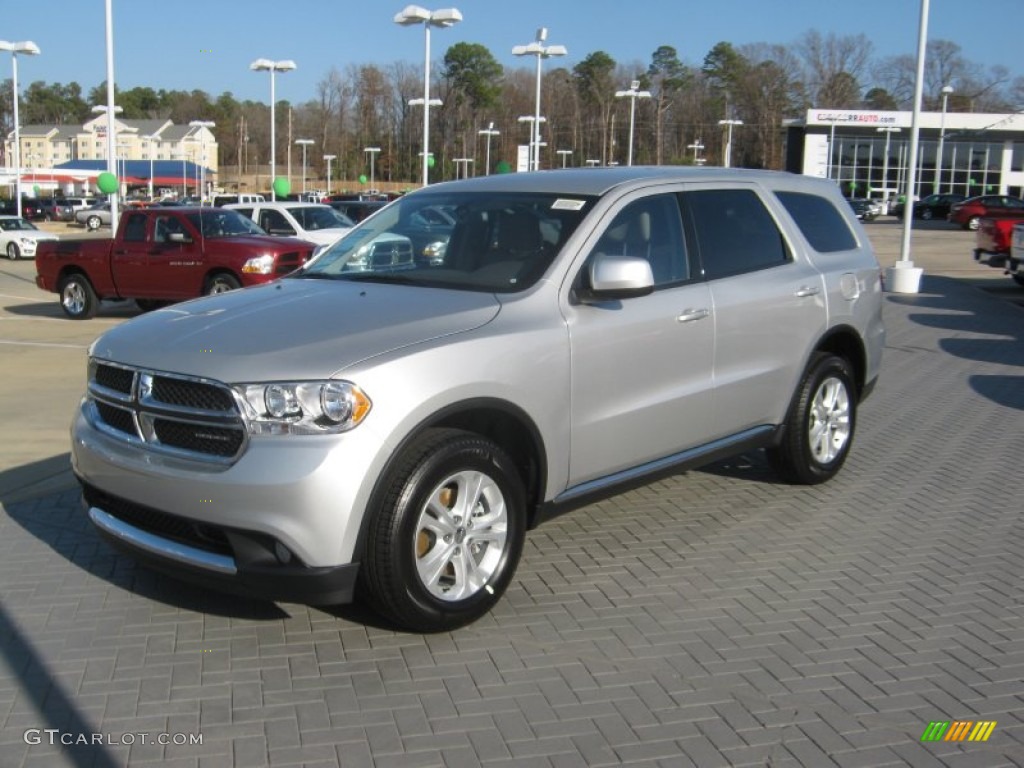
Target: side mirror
[178, 237]
[618, 277]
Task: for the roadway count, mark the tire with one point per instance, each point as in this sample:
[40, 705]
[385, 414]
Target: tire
[148, 305]
[77, 298]
[92, 223]
[973, 223]
[12, 251]
[1018, 279]
[421, 553]
[221, 283]
[927, 214]
[820, 425]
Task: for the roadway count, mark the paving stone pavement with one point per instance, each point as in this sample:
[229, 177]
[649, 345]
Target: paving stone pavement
[715, 618]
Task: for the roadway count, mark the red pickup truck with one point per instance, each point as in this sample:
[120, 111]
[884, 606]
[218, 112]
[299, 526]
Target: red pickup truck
[993, 244]
[161, 255]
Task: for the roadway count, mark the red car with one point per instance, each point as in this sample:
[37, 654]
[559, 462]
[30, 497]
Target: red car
[971, 211]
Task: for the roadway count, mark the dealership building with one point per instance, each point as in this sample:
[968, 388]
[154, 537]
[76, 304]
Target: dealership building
[867, 151]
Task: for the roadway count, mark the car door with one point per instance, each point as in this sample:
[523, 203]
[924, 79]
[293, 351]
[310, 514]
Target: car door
[640, 367]
[162, 262]
[768, 303]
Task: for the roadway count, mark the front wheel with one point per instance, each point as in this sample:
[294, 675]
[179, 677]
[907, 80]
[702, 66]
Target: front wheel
[221, 284]
[12, 251]
[927, 214]
[973, 223]
[77, 298]
[446, 539]
[93, 223]
[820, 425]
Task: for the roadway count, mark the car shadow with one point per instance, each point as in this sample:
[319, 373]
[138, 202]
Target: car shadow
[124, 308]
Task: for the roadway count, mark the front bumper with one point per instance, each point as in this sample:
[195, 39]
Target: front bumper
[992, 259]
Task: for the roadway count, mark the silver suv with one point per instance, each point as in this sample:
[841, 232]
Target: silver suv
[393, 429]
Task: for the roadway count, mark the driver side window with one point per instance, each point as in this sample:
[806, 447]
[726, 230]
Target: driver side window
[650, 229]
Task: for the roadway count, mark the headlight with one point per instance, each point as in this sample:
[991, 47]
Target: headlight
[434, 252]
[259, 265]
[304, 407]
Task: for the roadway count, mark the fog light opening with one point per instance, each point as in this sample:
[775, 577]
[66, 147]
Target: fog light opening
[282, 553]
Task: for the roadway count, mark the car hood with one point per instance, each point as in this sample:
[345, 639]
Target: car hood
[292, 329]
[262, 243]
[37, 235]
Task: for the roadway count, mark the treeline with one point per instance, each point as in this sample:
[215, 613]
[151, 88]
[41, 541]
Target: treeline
[368, 105]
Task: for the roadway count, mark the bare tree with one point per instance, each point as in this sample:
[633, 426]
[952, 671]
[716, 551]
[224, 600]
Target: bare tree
[835, 66]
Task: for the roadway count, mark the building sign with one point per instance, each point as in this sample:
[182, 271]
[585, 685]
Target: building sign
[816, 155]
[522, 158]
[856, 117]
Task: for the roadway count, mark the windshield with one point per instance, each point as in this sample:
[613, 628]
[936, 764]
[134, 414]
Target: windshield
[498, 242]
[218, 222]
[11, 225]
[315, 217]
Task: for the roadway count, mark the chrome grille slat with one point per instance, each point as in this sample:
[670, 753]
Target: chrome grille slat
[168, 413]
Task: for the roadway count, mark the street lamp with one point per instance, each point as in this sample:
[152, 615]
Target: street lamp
[697, 146]
[28, 48]
[201, 125]
[464, 163]
[946, 90]
[328, 159]
[372, 152]
[444, 17]
[565, 153]
[541, 51]
[632, 94]
[304, 143]
[112, 146]
[728, 141]
[488, 132]
[151, 138]
[266, 65]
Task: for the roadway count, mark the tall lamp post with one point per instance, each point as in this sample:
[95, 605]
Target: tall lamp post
[304, 143]
[202, 126]
[565, 153]
[372, 152]
[151, 139]
[488, 132]
[443, 17]
[946, 90]
[266, 65]
[888, 131]
[28, 48]
[328, 159]
[541, 51]
[632, 94]
[728, 142]
[697, 146]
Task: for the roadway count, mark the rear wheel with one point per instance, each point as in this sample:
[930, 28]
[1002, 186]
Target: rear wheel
[77, 298]
[820, 425]
[221, 283]
[12, 251]
[92, 223]
[973, 223]
[446, 540]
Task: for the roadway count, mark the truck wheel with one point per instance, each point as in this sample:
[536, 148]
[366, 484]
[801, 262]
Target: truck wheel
[446, 540]
[820, 425]
[12, 251]
[77, 298]
[221, 284]
[1018, 279]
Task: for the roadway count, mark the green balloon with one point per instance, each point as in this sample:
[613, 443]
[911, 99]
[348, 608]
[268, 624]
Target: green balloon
[503, 167]
[107, 183]
[430, 161]
[362, 178]
[282, 187]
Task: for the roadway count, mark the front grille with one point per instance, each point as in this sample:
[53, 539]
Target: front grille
[169, 413]
[195, 534]
[289, 262]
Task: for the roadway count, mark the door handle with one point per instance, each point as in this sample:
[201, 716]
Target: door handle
[807, 290]
[689, 315]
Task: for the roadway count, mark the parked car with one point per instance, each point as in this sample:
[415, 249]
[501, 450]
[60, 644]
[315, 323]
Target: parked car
[402, 427]
[935, 206]
[969, 213]
[56, 209]
[31, 208]
[864, 209]
[19, 237]
[1015, 264]
[78, 203]
[159, 255]
[316, 223]
[94, 216]
[994, 245]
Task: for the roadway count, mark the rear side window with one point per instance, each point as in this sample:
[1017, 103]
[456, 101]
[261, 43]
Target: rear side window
[135, 228]
[734, 232]
[819, 221]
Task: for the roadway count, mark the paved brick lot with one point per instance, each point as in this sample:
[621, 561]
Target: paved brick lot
[715, 618]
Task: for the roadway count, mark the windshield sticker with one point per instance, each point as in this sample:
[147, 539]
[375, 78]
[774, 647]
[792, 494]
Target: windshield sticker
[568, 205]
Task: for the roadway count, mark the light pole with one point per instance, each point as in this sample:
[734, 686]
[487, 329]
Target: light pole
[488, 132]
[28, 48]
[304, 143]
[541, 51]
[885, 163]
[444, 17]
[728, 142]
[565, 153]
[946, 90]
[328, 159]
[202, 126]
[462, 162]
[372, 152]
[534, 143]
[697, 146]
[100, 109]
[151, 139]
[632, 94]
[266, 65]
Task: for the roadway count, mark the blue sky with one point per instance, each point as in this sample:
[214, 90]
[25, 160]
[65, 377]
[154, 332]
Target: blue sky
[188, 44]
